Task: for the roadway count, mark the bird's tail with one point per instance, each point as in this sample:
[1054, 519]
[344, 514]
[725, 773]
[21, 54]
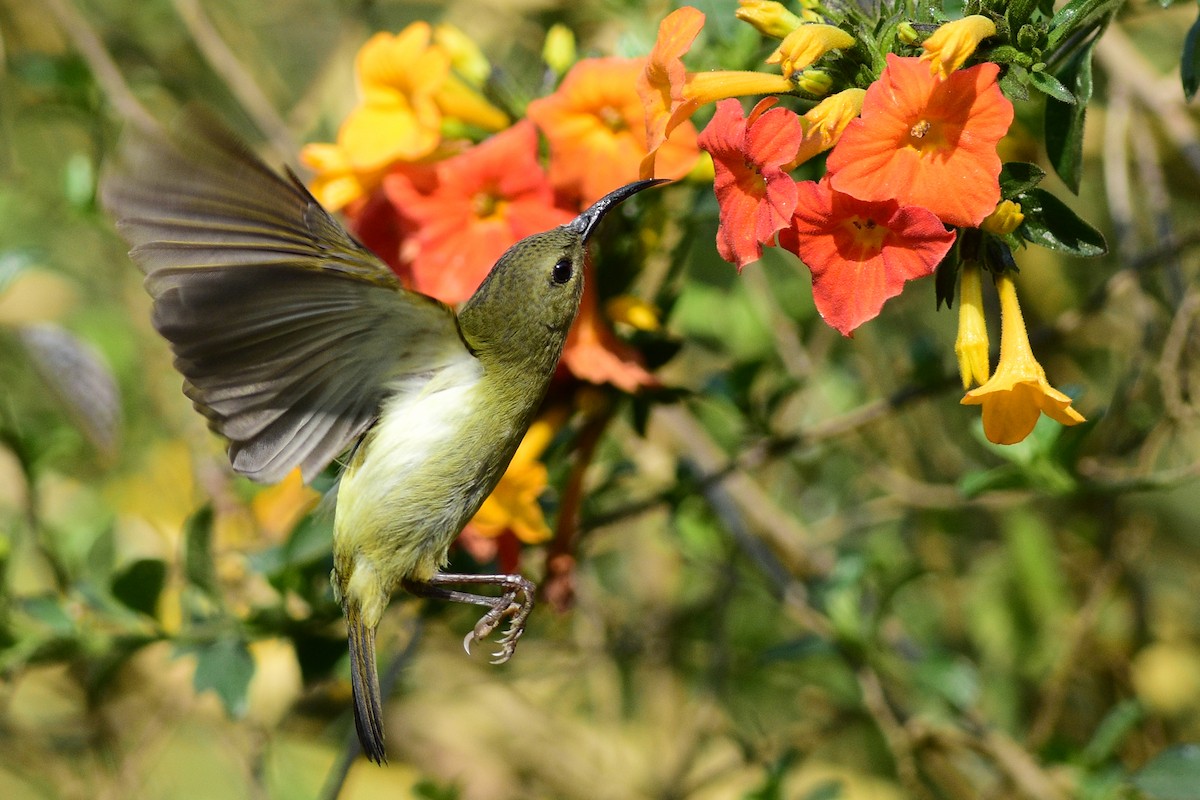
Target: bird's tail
[368, 707]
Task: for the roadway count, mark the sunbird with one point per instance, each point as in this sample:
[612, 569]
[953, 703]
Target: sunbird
[299, 346]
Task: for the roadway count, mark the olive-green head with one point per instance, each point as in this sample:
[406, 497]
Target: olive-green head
[522, 311]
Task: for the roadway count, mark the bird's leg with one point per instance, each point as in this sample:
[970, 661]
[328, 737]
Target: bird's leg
[514, 602]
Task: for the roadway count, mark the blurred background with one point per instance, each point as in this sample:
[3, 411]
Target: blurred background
[801, 573]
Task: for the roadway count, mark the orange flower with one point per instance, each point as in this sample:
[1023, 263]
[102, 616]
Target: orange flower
[926, 142]
[1017, 393]
[755, 195]
[660, 86]
[671, 94]
[594, 353]
[481, 202]
[860, 254]
[594, 123]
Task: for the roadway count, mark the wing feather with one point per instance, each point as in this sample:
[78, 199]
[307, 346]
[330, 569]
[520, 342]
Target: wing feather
[288, 332]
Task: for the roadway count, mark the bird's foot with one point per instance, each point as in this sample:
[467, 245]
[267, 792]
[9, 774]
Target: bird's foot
[515, 603]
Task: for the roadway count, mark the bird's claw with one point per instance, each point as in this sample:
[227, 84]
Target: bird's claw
[515, 605]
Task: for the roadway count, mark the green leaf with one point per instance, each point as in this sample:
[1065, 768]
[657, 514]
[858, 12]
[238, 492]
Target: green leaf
[226, 667]
[1047, 84]
[427, 789]
[1064, 121]
[1013, 83]
[1051, 224]
[139, 585]
[1189, 65]
[830, 789]
[47, 612]
[1173, 775]
[1111, 731]
[1019, 12]
[1078, 16]
[197, 557]
[311, 540]
[1017, 177]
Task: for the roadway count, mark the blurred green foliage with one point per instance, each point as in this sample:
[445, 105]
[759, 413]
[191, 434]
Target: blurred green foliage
[809, 576]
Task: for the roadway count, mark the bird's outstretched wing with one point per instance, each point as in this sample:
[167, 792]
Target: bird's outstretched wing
[288, 332]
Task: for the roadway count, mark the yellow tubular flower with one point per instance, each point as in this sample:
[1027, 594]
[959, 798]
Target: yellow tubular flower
[457, 100]
[824, 123]
[806, 44]
[768, 17]
[971, 346]
[709, 87]
[1005, 219]
[953, 43]
[1017, 393]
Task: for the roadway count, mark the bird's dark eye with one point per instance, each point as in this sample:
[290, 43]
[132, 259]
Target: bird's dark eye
[562, 271]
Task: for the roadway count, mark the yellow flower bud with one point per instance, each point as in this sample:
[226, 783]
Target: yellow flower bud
[465, 56]
[906, 33]
[1005, 219]
[971, 346]
[824, 123]
[558, 51]
[768, 17]
[634, 312]
[810, 10]
[815, 82]
[806, 44]
[953, 43]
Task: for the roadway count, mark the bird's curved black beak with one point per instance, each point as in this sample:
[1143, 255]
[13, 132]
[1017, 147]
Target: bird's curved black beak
[586, 222]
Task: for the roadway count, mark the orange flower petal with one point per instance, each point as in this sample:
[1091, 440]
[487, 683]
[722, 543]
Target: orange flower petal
[756, 196]
[660, 86]
[482, 201]
[926, 142]
[594, 126]
[860, 254]
[594, 353]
